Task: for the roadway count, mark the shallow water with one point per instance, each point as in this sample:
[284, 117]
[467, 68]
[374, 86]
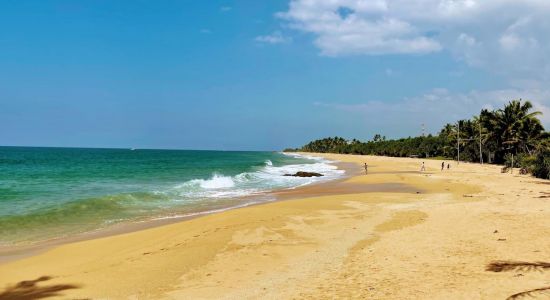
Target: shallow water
[54, 192]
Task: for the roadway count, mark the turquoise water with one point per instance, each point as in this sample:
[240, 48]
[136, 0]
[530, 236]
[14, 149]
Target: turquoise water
[53, 192]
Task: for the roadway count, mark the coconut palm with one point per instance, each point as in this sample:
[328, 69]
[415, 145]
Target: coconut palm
[513, 131]
[514, 128]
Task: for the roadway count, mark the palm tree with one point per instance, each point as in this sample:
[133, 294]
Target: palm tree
[531, 134]
[514, 128]
[448, 136]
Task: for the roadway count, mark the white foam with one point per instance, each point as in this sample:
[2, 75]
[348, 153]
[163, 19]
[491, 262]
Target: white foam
[217, 182]
[267, 178]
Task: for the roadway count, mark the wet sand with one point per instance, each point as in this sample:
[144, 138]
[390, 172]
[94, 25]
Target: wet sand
[395, 233]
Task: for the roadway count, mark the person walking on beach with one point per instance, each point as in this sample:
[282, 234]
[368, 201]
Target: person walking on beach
[442, 166]
[448, 166]
[423, 167]
[366, 168]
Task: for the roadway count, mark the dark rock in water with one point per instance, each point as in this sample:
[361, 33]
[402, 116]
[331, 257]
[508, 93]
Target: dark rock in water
[305, 174]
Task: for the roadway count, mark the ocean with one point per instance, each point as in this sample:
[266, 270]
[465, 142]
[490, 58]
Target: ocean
[48, 193]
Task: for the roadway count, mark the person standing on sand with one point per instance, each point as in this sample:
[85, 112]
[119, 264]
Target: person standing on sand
[423, 167]
[442, 166]
[366, 168]
[448, 166]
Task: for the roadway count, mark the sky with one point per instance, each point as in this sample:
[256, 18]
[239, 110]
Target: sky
[261, 75]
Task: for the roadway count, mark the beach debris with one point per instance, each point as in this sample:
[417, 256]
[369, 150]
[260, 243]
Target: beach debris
[304, 174]
[501, 240]
[496, 231]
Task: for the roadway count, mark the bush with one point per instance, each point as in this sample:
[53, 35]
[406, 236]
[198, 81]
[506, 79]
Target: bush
[511, 161]
[541, 167]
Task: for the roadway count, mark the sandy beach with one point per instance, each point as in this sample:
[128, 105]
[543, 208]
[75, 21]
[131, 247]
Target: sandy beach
[470, 232]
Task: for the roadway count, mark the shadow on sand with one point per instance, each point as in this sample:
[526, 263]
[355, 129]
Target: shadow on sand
[531, 293]
[504, 266]
[29, 289]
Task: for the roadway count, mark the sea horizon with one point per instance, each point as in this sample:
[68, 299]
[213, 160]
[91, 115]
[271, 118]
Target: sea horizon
[139, 148]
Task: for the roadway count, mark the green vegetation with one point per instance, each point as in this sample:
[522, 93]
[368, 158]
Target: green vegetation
[540, 166]
[511, 135]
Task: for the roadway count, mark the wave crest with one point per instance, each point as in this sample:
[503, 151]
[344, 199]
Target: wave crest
[216, 182]
[264, 179]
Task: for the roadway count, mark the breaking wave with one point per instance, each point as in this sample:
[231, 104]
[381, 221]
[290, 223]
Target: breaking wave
[264, 179]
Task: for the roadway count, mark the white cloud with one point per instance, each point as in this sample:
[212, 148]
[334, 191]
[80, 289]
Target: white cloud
[438, 107]
[506, 36]
[275, 38]
[226, 8]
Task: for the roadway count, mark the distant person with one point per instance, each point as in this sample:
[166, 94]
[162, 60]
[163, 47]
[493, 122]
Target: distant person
[448, 166]
[442, 166]
[423, 167]
[366, 168]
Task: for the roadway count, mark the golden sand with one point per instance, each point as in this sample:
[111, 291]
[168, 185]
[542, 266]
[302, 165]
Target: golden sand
[432, 236]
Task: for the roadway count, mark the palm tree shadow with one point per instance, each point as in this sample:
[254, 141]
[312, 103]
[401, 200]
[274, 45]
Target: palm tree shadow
[29, 289]
[504, 266]
[531, 293]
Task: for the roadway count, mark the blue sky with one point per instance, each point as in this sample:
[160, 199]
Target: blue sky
[260, 75]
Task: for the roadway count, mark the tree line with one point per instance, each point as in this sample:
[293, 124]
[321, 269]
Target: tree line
[512, 135]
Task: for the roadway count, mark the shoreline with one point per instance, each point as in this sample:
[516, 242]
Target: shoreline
[433, 237]
[16, 252]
